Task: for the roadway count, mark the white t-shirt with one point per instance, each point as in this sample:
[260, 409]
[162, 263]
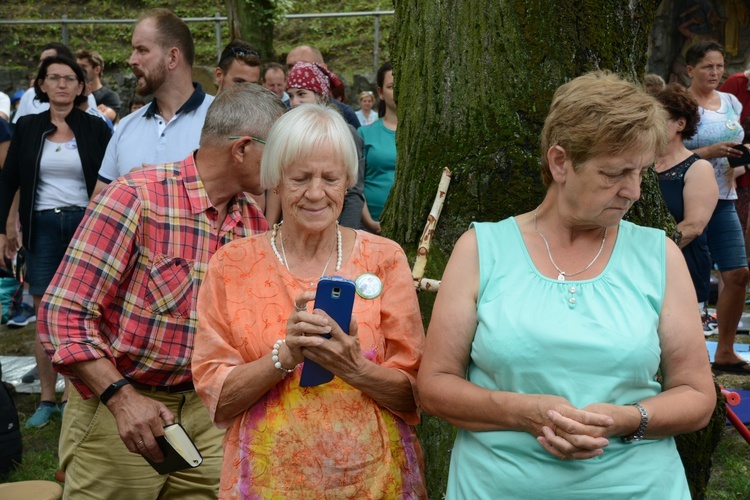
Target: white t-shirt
[61, 182]
[143, 137]
[5, 105]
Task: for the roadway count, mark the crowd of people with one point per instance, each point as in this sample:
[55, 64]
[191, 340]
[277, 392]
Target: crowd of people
[174, 254]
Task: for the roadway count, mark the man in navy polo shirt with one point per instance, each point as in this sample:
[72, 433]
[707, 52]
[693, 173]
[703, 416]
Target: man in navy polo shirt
[169, 128]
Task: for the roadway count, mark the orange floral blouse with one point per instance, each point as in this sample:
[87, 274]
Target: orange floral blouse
[329, 441]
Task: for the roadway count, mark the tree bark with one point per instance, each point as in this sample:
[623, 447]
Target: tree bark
[474, 79]
[253, 22]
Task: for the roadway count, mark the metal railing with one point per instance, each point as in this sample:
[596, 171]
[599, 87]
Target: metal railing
[218, 19]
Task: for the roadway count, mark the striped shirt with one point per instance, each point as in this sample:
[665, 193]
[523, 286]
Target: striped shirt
[128, 286]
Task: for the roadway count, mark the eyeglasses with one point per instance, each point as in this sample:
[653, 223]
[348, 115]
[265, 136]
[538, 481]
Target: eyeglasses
[235, 137]
[56, 78]
[244, 53]
[238, 53]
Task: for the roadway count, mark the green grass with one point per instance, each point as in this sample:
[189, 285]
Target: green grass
[39, 445]
[730, 477]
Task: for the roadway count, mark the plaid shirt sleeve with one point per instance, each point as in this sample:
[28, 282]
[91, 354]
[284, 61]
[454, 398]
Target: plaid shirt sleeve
[98, 257]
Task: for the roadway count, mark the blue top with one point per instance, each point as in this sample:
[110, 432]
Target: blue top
[6, 132]
[715, 126]
[589, 341]
[365, 121]
[697, 255]
[141, 137]
[380, 168]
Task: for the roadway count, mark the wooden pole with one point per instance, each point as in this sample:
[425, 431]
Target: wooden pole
[420, 282]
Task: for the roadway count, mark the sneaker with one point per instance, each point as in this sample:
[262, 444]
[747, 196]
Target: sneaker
[23, 318]
[42, 415]
[30, 376]
[710, 324]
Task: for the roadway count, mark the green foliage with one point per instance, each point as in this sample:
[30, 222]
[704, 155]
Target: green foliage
[347, 43]
[19, 44]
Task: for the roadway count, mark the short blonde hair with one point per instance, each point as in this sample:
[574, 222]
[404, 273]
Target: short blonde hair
[600, 114]
[300, 131]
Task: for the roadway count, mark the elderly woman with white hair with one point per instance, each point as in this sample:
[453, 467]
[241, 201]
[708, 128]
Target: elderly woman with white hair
[351, 437]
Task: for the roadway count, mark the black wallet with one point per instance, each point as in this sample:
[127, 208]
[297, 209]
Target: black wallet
[742, 160]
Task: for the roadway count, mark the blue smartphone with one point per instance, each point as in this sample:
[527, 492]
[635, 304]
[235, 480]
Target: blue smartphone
[335, 296]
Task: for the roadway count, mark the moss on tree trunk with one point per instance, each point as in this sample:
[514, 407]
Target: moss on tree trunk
[474, 79]
[253, 22]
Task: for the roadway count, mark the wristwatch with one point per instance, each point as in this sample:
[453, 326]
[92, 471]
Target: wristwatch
[638, 435]
[111, 390]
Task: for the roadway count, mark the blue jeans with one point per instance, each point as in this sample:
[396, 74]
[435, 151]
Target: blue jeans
[52, 232]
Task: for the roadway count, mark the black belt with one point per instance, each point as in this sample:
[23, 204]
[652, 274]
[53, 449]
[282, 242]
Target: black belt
[57, 210]
[169, 389]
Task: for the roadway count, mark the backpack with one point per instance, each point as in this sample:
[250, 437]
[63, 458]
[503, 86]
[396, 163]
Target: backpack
[11, 445]
[11, 289]
[11, 295]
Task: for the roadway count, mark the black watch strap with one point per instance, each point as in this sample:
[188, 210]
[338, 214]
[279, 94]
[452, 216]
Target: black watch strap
[112, 390]
[638, 436]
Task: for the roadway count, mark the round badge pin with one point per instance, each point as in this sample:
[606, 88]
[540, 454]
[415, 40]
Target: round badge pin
[732, 124]
[369, 286]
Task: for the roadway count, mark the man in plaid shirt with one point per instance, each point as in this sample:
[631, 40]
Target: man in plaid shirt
[120, 314]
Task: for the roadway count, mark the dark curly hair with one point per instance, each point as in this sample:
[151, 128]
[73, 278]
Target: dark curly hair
[46, 63]
[680, 104]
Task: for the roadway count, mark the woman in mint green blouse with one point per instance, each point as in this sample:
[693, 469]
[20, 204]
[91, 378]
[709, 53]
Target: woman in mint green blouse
[550, 327]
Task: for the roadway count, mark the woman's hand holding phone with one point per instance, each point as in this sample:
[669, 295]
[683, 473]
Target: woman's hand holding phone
[334, 301]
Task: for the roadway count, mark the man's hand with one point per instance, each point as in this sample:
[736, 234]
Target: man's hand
[139, 420]
[107, 111]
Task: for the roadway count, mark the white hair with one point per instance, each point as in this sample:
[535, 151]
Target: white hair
[300, 131]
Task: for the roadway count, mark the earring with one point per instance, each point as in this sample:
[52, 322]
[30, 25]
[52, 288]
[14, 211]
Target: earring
[275, 191]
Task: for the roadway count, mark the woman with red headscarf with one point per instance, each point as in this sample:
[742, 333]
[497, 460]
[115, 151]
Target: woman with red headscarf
[311, 83]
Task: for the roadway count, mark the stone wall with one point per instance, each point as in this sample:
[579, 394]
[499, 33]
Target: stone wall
[679, 22]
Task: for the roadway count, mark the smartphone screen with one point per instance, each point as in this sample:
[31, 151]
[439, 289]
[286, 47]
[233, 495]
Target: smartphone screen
[335, 296]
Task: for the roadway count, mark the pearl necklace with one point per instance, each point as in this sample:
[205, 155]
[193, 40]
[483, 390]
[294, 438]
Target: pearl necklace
[282, 256]
[562, 274]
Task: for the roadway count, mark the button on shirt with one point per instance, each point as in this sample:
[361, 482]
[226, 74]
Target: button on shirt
[128, 286]
[144, 137]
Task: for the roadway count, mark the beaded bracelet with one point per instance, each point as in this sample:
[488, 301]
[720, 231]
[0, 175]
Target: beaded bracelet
[275, 358]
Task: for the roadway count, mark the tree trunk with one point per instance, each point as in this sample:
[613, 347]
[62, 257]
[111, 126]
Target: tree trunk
[253, 22]
[474, 79]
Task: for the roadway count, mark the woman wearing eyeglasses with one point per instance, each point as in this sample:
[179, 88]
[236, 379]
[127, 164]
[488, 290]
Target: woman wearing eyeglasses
[54, 158]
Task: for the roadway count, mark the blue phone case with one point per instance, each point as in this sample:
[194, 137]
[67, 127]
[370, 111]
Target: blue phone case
[335, 296]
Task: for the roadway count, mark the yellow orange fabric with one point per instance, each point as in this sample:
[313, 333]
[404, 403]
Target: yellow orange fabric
[326, 441]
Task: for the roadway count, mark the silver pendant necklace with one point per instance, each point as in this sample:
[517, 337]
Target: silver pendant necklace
[282, 256]
[562, 274]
